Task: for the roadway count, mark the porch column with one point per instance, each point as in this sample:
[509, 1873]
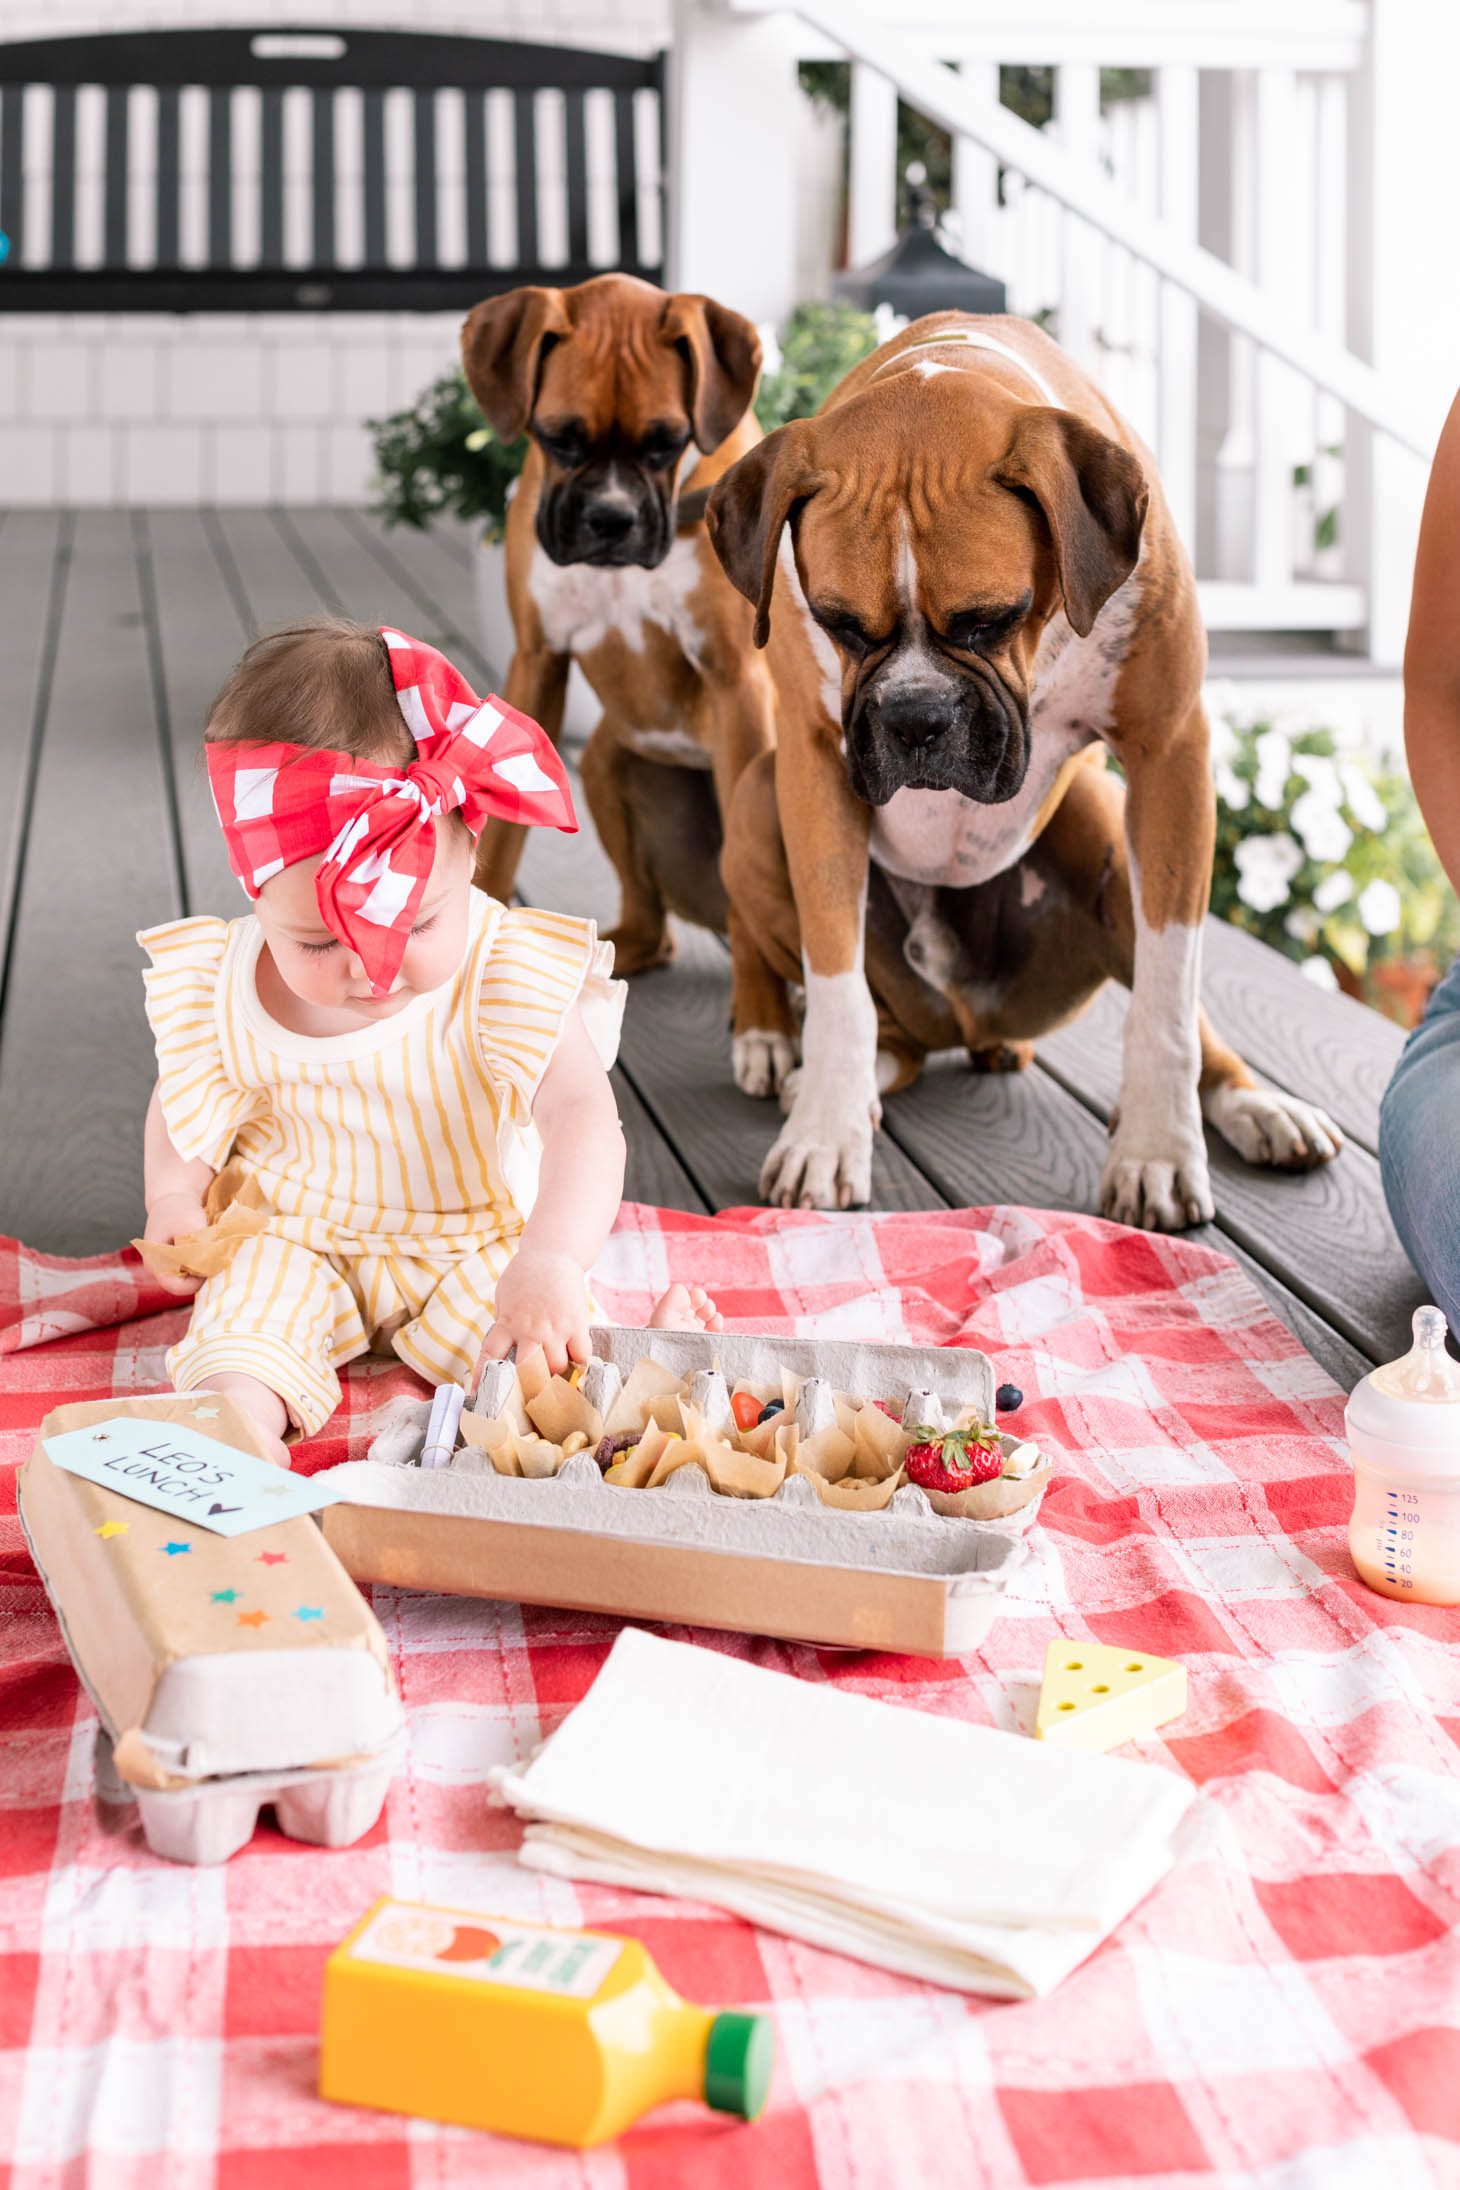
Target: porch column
[871, 166]
[733, 108]
[1404, 307]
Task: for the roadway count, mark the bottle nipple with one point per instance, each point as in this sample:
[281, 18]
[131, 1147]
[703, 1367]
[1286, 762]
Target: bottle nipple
[1427, 1371]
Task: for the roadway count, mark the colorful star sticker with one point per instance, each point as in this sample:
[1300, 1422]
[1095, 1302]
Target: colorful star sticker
[273, 1558]
[309, 1612]
[175, 1550]
[225, 1596]
[252, 1619]
[112, 1528]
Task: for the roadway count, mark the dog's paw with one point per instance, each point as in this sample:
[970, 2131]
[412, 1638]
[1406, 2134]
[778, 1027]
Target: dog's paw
[762, 1062]
[1272, 1129]
[819, 1163]
[1154, 1193]
[634, 951]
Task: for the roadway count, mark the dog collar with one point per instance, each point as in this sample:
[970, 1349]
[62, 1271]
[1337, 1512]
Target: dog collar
[975, 341]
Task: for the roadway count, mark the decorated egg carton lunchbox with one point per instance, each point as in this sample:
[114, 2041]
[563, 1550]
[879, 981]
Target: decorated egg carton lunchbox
[731, 1480]
[227, 1672]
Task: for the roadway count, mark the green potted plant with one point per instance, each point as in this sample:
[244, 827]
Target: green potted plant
[439, 457]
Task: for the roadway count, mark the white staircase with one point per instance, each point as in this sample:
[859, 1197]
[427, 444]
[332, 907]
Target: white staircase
[1232, 254]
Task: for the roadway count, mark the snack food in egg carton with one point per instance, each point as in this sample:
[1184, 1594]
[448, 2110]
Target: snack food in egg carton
[747, 1432]
[805, 1523]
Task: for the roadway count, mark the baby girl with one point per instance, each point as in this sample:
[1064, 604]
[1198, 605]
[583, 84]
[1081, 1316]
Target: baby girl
[414, 1076]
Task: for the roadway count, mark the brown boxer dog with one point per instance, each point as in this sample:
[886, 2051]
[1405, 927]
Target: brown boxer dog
[972, 592]
[630, 398]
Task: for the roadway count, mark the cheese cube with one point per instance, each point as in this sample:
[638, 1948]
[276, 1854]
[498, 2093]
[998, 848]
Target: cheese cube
[1097, 1695]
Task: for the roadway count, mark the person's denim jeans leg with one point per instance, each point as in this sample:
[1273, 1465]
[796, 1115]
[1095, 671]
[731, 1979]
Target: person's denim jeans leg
[1419, 1147]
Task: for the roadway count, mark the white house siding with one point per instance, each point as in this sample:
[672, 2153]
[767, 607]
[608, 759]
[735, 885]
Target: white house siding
[112, 408]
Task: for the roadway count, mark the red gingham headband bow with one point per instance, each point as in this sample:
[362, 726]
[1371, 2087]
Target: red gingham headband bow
[279, 804]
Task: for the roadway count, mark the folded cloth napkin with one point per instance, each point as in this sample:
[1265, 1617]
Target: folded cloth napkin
[977, 1859]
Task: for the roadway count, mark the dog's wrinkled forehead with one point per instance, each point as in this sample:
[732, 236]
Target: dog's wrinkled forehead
[612, 353]
[615, 378]
[909, 513]
[938, 487]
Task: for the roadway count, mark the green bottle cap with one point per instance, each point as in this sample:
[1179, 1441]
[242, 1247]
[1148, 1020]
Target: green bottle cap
[738, 2061]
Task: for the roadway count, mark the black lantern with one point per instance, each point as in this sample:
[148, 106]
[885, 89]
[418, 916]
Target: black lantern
[917, 275]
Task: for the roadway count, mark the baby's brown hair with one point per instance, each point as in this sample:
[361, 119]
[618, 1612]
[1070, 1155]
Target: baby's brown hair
[324, 683]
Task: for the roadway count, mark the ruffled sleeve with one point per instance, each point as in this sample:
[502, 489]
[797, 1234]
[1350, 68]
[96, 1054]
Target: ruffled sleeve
[539, 965]
[204, 1108]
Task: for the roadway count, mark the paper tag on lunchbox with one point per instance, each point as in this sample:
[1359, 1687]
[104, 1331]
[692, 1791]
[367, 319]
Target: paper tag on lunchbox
[178, 1470]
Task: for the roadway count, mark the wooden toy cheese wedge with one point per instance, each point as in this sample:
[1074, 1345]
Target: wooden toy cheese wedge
[1097, 1695]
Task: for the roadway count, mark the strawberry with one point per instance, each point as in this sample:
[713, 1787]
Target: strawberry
[746, 1409]
[955, 1460]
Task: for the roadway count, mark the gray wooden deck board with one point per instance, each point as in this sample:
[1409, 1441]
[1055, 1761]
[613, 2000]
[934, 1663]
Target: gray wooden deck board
[435, 578]
[76, 1067]
[1335, 1051]
[34, 547]
[1326, 1236]
[113, 652]
[200, 634]
[255, 555]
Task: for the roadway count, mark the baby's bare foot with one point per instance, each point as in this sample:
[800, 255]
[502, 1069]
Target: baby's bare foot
[686, 1308]
[265, 1409]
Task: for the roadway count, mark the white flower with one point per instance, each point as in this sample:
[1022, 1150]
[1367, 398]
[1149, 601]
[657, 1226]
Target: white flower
[1274, 758]
[1231, 790]
[770, 347]
[1321, 775]
[1325, 833]
[1364, 802]
[1266, 865]
[1302, 924]
[1334, 890]
[1320, 972]
[1223, 737]
[887, 322]
[1379, 908]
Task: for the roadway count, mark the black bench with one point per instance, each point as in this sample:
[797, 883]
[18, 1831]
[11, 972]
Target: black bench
[41, 272]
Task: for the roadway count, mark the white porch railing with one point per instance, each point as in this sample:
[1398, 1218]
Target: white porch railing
[1205, 251]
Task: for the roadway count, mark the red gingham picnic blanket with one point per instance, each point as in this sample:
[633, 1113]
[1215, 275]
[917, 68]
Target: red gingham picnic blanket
[1282, 2012]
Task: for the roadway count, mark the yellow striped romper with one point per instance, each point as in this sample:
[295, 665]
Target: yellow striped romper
[399, 1160]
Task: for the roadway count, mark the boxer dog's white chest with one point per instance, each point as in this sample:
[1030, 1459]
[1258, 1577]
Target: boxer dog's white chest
[942, 838]
[580, 607]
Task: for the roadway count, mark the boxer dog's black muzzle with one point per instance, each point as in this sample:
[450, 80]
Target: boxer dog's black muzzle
[924, 726]
[613, 506]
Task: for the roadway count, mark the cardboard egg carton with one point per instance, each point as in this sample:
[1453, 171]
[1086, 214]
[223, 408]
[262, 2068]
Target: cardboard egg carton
[901, 1578]
[214, 1696]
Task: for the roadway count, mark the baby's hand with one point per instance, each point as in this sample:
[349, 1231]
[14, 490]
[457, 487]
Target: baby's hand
[173, 1216]
[541, 1301]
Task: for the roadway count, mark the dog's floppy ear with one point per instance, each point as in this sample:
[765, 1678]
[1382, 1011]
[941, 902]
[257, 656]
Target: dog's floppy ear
[722, 351]
[503, 344]
[1093, 494]
[747, 512]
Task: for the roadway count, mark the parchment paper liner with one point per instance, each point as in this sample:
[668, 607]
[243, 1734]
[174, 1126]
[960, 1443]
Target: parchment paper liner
[236, 1210]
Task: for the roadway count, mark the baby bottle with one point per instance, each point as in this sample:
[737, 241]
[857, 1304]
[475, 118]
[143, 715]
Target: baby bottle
[1403, 1424]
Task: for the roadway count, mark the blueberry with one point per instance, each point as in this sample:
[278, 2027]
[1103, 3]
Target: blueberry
[772, 1406]
[1008, 1397]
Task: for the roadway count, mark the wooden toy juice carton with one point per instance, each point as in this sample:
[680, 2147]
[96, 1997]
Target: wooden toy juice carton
[565, 2036]
[1403, 1423]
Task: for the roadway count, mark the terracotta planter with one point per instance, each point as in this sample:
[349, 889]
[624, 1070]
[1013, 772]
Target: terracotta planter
[494, 621]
